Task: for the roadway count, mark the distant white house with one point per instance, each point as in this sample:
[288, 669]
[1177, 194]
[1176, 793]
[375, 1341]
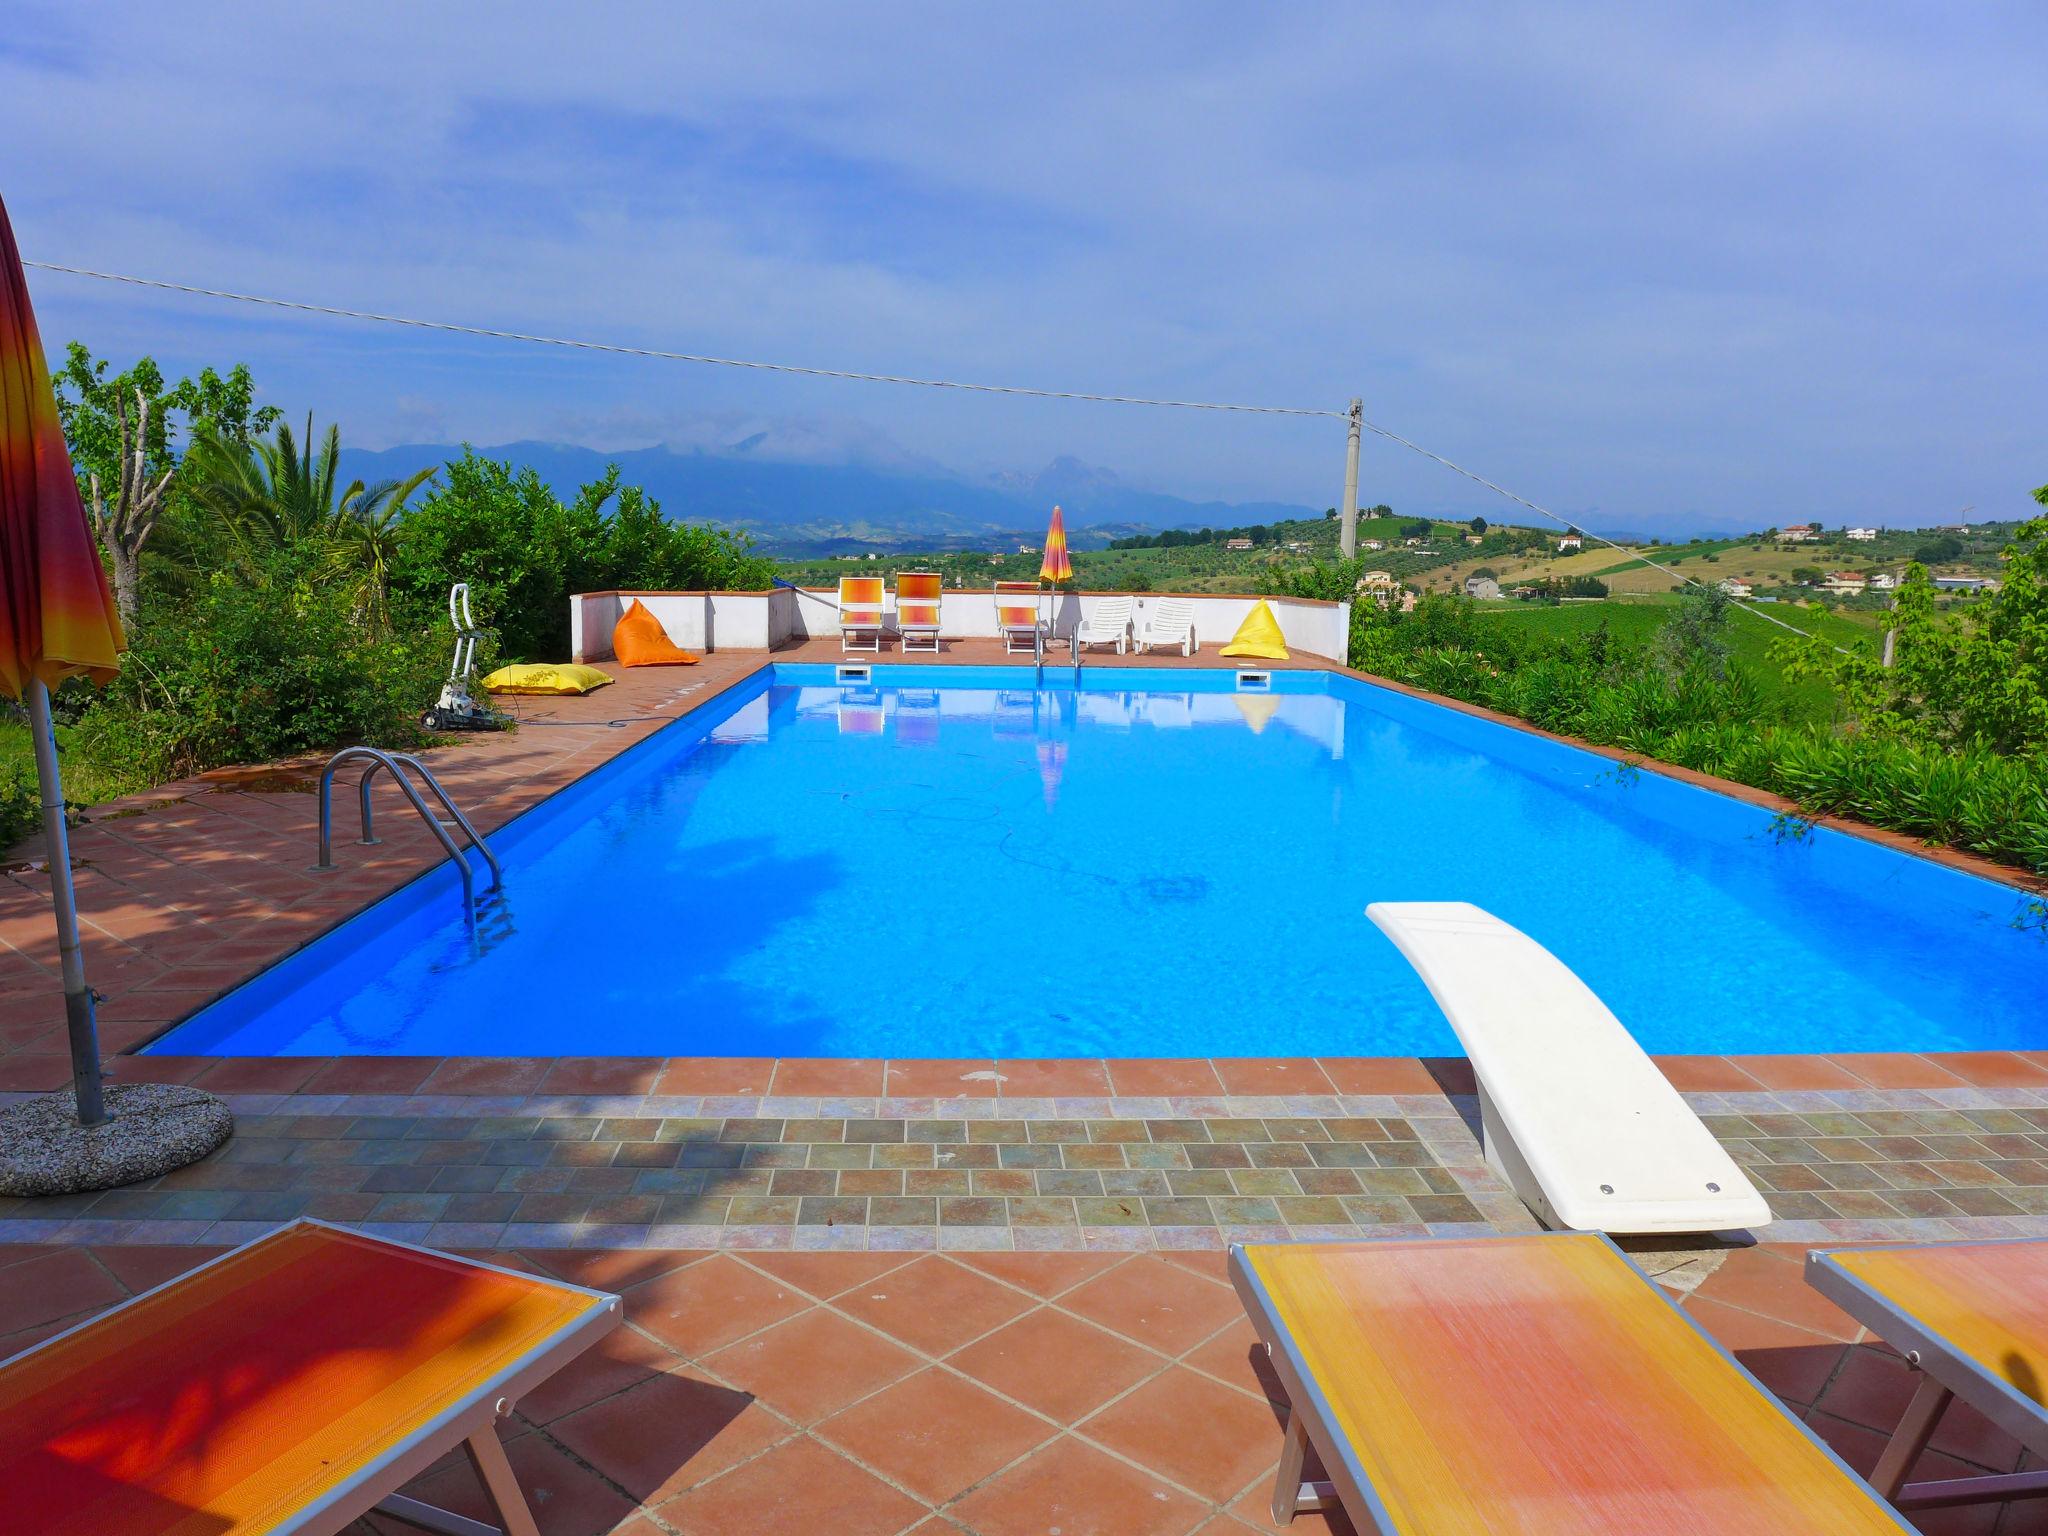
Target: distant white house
[1953, 528]
[1800, 533]
[1381, 587]
[1883, 581]
[1861, 535]
[1845, 583]
[1735, 586]
[1473, 538]
[1237, 543]
[1373, 544]
[1966, 583]
[1570, 541]
[1481, 586]
[1412, 543]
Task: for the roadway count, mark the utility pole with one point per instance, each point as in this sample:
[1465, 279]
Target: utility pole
[1347, 515]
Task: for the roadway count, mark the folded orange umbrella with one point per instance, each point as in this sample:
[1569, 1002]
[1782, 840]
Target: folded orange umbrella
[1056, 566]
[57, 616]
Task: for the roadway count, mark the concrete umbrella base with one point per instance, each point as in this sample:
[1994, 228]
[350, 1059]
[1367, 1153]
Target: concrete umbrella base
[150, 1128]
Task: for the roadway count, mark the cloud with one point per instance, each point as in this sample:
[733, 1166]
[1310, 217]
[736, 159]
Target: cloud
[1760, 262]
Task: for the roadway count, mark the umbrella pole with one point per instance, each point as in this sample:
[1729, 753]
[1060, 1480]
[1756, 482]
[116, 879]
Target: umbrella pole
[78, 1019]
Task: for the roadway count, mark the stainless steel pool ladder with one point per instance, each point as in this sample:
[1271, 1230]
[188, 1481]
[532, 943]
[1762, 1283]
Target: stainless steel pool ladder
[397, 763]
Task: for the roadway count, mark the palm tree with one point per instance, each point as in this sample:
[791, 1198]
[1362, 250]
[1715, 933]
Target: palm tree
[270, 494]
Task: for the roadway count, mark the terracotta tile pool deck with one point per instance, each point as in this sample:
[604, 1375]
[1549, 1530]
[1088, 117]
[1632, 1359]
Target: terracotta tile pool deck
[1006, 1394]
[880, 1296]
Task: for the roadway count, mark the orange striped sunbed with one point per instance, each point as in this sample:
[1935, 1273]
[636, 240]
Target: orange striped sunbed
[860, 613]
[919, 596]
[1532, 1384]
[293, 1384]
[1017, 619]
[1972, 1319]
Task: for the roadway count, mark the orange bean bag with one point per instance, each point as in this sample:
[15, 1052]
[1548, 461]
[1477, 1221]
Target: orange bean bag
[638, 640]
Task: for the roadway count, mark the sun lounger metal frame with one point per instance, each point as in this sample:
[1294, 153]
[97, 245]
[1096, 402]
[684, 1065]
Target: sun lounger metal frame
[1946, 1372]
[470, 1423]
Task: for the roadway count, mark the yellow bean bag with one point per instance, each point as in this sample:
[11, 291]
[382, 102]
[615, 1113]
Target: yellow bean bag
[638, 640]
[1259, 636]
[538, 677]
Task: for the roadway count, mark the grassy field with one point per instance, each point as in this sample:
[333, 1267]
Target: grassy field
[1636, 620]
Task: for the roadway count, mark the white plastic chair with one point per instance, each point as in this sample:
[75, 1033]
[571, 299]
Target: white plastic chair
[1171, 621]
[1108, 623]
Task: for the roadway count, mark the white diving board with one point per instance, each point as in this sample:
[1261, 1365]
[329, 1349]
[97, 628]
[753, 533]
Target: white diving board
[1573, 1114]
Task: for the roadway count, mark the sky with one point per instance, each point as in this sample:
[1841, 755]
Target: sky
[1657, 269]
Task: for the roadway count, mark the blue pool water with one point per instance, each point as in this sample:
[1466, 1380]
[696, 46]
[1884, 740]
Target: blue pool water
[1154, 865]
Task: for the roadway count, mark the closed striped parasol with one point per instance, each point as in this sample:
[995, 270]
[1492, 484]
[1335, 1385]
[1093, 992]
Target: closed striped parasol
[1056, 566]
[57, 616]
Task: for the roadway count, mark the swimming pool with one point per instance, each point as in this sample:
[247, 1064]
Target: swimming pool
[957, 864]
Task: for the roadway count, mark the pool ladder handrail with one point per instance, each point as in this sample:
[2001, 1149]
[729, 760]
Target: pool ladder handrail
[396, 763]
[1039, 643]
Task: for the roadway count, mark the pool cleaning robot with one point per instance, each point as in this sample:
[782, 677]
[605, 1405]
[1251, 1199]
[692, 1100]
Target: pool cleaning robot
[459, 709]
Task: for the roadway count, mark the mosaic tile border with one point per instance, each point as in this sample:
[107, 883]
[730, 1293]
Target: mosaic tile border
[1108, 1174]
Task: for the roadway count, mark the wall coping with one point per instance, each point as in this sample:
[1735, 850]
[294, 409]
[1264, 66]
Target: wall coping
[1270, 597]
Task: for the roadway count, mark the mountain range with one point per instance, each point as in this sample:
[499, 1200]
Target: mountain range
[805, 506]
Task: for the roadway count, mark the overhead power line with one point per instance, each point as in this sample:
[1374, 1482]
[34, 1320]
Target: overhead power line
[1523, 501]
[805, 371]
[674, 357]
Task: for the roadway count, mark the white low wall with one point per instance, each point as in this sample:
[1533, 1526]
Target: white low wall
[758, 621]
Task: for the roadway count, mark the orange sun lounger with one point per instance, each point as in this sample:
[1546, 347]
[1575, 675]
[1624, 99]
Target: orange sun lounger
[860, 613]
[1973, 1319]
[293, 1384]
[1533, 1384]
[920, 598]
[1017, 617]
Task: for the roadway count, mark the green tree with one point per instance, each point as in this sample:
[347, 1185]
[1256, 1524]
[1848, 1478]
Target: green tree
[1696, 636]
[1958, 683]
[1939, 551]
[120, 432]
[271, 493]
[1478, 526]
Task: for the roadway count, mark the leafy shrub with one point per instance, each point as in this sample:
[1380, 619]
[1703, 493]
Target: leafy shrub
[523, 551]
[266, 662]
[21, 801]
[1951, 744]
